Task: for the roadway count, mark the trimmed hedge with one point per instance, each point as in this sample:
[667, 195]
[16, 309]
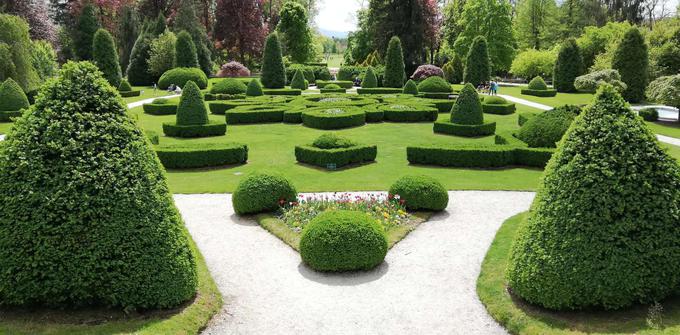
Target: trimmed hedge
[420, 193]
[466, 130]
[333, 117]
[282, 91]
[337, 101]
[539, 93]
[522, 118]
[160, 109]
[343, 241]
[649, 114]
[500, 109]
[213, 97]
[180, 76]
[347, 84]
[212, 128]
[254, 88]
[435, 84]
[206, 155]
[229, 86]
[370, 80]
[332, 141]
[292, 116]
[255, 114]
[435, 95]
[410, 88]
[7, 116]
[547, 128]
[379, 90]
[443, 105]
[12, 97]
[479, 156]
[262, 192]
[538, 84]
[339, 157]
[128, 94]
[468, 108]
[374, 115]
[333, 89]
[409, 113]
[273, 70]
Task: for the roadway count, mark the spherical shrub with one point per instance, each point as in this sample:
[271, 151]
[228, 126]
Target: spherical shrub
[261, 192]
[332, 141]
[421, 193]
[435, 85]
[343, 241]
[538, 84]
[426, 71]
[179, 76]
[547, 128]
[233, 69]
[332, 87]
[12, 97]
[495, 100]
[254, 88]
[229, 86]
[410, 88]
[649, 114]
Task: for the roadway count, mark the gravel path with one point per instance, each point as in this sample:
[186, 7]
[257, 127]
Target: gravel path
[426, 285]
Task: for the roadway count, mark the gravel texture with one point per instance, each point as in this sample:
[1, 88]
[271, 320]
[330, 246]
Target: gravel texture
[425, 286]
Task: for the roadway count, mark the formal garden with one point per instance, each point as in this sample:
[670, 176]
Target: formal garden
[222, 167]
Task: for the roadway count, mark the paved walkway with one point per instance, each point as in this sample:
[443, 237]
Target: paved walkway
[150, 100]
[425, 286]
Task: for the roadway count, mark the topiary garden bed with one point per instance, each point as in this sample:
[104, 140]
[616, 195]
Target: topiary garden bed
[333, 117]
[409, 113]
[255, 114]
[182, 156]
[331, 152]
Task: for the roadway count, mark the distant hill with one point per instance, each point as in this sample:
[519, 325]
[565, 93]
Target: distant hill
[331, 33]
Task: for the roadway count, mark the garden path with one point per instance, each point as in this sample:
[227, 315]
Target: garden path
[425, 286]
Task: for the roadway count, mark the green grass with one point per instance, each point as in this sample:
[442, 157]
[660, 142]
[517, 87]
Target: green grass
[335, 60]
[520, 318]
[146, 93]
[187, 319]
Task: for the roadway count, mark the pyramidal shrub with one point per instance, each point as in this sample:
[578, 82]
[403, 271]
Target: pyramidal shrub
[185, 51]
[12, 97]
[254, 89]
[191, 109]
[410, 88]
[273, 70]
[105, 56]
[370, 80]
[87, 215]
[394, 64]
[298, 81]
[467, 109]
[603, 230]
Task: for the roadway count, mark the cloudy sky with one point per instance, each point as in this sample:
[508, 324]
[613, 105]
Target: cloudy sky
[337, 15]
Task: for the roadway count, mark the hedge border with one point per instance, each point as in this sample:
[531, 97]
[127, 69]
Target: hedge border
[128, 94]
[346, 84]
[539, 93]
[375, 115]
[477, 130]
[6, 116]
[499, 109]
[436, 95]
[339, 157]
[206, 155]
[420, 114]
[160, 109]
[255, 114]
[213, 128]
[294, 116]
[522, 118]
[379, 90]
[489, 156]
[313, 118]
[333, 90]
[282, 91]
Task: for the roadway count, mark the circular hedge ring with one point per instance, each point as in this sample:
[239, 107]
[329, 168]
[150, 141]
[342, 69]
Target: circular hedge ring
[261, 192]
[343, 241]
[409, 112]
[333, 117]
[421, 193]
[338, 101]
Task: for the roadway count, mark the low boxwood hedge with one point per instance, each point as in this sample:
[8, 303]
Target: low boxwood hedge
[337, 157]
[482, 156]
[435, 95]
[333, 90]
[500, 109]
[128, 94]
[213, 128]
[539, 93]
[282, 91]
[255, 114]
[379, 90]
[522, 118]
[333, 117]
[409, 113]
[445, 127]
[160, 109]
[220, 107]
[346, 84]
[292, 116]
[443, 105]
[374, 115]
[213, 97]
[205, 155]
[262, 192]
[420, 193]
[336, 100]
[7, 116]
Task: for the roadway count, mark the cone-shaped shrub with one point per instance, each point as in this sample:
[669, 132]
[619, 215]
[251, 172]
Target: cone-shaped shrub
[185, 51]
[158, 26]
[394, 64]
[84, 31]
[105, 57]
[538, 84]
[298, 81]
[568, 66]
[124, 86]
[273, 71]
[191, 109]
[87, 217]
[458, 69]
[138, 70]
[12, 97]
[467, 109]
[631, 59]
[603, 229]
[410, 87]
[477, 65]
[254, 89]
[370, 80]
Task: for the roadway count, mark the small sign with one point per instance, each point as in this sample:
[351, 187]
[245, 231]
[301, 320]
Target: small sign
[331, 166]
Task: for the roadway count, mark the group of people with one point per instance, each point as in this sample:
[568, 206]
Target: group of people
[173, 89]
[490, 88]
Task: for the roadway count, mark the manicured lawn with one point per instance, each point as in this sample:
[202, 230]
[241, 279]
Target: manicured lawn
[187, 319]
[671, 129]
[146, 93]
[519, 318]
[335, 60]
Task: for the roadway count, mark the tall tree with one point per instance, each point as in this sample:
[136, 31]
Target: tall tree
[186, 19]
[477, 65]
[138, 70]
[394, 64]
[273, 69]
[105, 57]
[536, 23]
[294, 31]
[491, 19]
[631, 59]
[84, 32]
[15, 56]
[149, 9]
[568, 66]
[239, 27]
[128, 30]
[452, 20]
[35, 12]
[359, 42]
[185, 51]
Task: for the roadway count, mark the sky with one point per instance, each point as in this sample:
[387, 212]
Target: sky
[337, 15]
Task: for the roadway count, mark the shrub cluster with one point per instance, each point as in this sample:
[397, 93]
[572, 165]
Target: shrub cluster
[435, 84]
[233, 69]
[343, 241]
[207, 154]
[649, 114]
[180, 76]
[333, 117]
[487, 156]
[546, 129]
[426, 71]
[592, 81]
[420, 193]
[228, 86]
[262, 192]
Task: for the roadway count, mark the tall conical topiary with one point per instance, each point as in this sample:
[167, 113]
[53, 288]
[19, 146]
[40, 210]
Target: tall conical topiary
[631, 59]
[191, 109]
[298, 81]
[458, 69]
[138, 70]
[468, 108]
[370, 80]
[105, 57]
[477, 64]
[87, 217]
[86, 27]
[568, 66]
[185, 51]
[159, 26]
[273, 71]
[603, 229]
[12, 97]
[394, 64]
[254, 88]
[410, 88]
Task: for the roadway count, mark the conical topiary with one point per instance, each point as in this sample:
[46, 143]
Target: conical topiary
[477, 65]
[124, 86]
[604, 229]
[138, 70]
[254, 88]
[468, 108]
[394, 64]
[410, 87]
[105, 56]
[87, 217]
[370, 80]
[191, 109]
[568, 66]
[273, 70]
[631, 59]
[298, 81]
[538, 84]
[12, 97]
[458, 69]
[185, 51]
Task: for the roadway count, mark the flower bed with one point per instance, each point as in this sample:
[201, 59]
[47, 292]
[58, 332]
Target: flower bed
[333, 117]
[337, 101]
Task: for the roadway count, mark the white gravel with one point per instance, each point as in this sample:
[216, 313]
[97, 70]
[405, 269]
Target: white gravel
[426, 285]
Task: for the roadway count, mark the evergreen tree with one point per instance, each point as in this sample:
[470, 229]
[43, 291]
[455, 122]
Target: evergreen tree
[105, 57]
[138, 70]
[394, 64]
[191, 109]
[273, 71]
[631, 59]
[159, 26]
[536, 24]
[185, 51]
[568, 66]
[477, 67]
[298, 81]
[458, 69]
[186, 19]
[15, 53]
[294, 32]
[468, 108]
[84, 32]
[128, 30]
[410, 88]
[370, 80]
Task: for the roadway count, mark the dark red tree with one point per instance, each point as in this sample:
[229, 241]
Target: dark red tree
[239, 27]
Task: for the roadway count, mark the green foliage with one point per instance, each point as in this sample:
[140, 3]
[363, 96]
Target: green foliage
[162, 53]
[254, 88]
[138, 70]
[394, 64]
[127, 32]
[533, 63]
[187, 20]
[182, 156]
[160, 108]
[158, 27]
[228, 86]
[370, 80]
[603, 228]
[181, 75]
[411, 88]
[124, 86]
[185, 51]
[337, 157]
[546, 129]
[15, 56]
[295, 34]
[346, 84]
[105, 56]
[340, 240]
[273, 71]
[568, 66]
[601, 41]
[649, 114]
[332, 141]
[212, 128]
[421, 193]
[536, 24]
[592, 81]
[255, 114]
[43, 59]
[495, 100]
[468, 109]
[482, 156]
[113, 213]
[665, 90]
[191, 109]
[86, 27]
[298, 81]
[464, 130]
[397, 112]
[540, 93]
[458, 70]
[538, 84]
[333, 117]
[435, 84]
[477, 66]
[262, 192]
[631, 59]
[12, 97]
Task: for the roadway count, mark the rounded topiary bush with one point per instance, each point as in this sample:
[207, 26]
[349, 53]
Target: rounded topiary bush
[495, 100]
[332, 87]
[229, 86]
[332, 141]
[467, 109]
[181, 75]
[109, 234]
[603, 229]
[538, 84]
[343, 241]
[421, 193]
[12, 97]
[298, 81]
[262, 192]
[435, 85]
[546, 129]
[254, 88]
[410, 88]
